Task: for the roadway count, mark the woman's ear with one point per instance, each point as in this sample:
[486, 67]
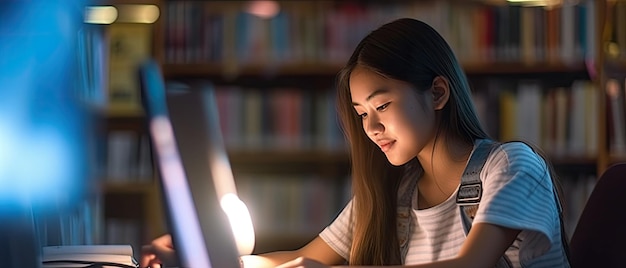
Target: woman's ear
[441, 92]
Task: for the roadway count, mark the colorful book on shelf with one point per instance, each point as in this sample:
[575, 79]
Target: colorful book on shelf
[88, 256]
[508, 127]
[578, 124]
[253, 118]
[327, 32]
[129, 44]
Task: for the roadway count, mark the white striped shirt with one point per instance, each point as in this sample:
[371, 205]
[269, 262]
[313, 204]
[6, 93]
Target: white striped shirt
[517, 193]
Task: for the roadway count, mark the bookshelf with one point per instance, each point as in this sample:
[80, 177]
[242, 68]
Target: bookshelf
[127, 206]
[612, 79]
[128, 185]
[514, 56]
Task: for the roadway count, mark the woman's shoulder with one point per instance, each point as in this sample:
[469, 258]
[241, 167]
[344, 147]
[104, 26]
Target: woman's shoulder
[516, 161]
[516, 156]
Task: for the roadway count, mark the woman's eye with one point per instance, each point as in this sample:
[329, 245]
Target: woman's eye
[362, 116]
[382, 107]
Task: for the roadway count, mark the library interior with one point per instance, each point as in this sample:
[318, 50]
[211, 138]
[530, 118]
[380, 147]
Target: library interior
[77, 165]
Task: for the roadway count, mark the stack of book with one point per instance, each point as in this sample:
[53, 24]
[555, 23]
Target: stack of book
[89, 256]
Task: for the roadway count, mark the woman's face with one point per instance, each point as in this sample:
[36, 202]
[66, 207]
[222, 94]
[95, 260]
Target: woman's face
[398, 118]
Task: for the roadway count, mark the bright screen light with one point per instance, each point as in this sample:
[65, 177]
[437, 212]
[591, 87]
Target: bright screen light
[240, 222]
[43, 160]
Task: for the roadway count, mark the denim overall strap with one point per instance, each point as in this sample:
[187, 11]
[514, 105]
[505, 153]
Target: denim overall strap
[407, 188]
[471, 189]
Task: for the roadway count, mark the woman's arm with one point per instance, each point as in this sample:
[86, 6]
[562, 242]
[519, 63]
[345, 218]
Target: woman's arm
[316, 250]
[161, 251]
[484, 246]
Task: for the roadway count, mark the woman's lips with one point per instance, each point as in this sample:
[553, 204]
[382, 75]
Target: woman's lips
[386, 145]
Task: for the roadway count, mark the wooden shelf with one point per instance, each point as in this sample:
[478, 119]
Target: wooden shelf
[570, 160]
[615, 158]
[134, 122]
[325, 163]
[539, 68]
[126, 2]
[615, 67]
[269, 70]
[146, 187]
[294, 156]
[132, 113]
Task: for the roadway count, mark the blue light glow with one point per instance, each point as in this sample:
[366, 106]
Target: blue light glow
[43, 136]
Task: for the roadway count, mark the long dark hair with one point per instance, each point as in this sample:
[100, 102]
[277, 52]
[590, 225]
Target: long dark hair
[408, 50]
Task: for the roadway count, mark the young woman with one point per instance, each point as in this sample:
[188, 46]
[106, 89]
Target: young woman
[407, 111]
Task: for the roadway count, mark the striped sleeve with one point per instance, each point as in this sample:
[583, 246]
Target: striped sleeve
[518, 194]
[338, 235]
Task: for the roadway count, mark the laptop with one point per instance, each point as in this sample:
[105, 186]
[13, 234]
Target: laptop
[196, 178]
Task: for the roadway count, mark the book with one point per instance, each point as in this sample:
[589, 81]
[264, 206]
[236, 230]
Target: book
[129, 45]
[81, 255]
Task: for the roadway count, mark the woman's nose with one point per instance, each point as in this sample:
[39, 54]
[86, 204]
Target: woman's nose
[373, 126]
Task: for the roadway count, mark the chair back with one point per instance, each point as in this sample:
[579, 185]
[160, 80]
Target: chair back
[599, 239]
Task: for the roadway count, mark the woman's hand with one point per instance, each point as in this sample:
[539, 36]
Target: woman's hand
[159, 252]
[302, 262]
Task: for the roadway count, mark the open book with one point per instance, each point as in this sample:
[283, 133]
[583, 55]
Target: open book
[88, 256]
